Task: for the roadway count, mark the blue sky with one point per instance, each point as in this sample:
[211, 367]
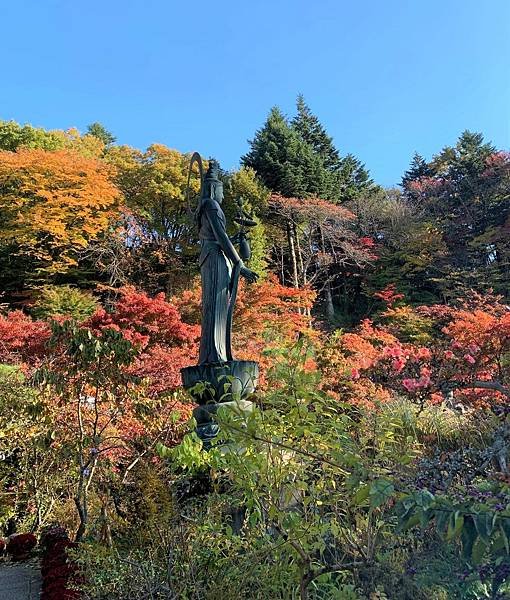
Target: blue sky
[386, 77]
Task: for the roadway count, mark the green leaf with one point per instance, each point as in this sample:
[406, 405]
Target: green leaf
[162, 450]
[423, 498]
[381, 491]
[412, 521]
[455, 525]
[484, 523]
[504, 525]
[468, 538]
[478, 551]
[361, 494]
[442, 518]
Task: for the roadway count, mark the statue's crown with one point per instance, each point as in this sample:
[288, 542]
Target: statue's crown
[213, 171]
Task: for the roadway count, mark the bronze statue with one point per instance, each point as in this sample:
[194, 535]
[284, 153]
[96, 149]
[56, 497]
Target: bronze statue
[220, 268]
[218, 379]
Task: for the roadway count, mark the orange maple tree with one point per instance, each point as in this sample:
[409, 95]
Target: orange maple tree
[53, 204]
[429, 354]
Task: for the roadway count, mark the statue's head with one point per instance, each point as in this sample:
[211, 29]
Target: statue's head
[213, 187]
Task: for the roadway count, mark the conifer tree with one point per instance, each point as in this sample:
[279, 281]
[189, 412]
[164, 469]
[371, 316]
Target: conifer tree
[283, 161]
[313, 133]
[100, 132]
[347, 177]
[418, 168]
[354, 178]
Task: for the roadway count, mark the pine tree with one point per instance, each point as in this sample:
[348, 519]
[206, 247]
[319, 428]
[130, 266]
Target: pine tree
[99, 131]
[347, 177]
[299, 159]
[418, 168]
[313, 133]
[354, 178]
[283, 161]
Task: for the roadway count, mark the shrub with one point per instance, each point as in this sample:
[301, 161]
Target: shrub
[59, 572]
[64, 301]
[20, 545]
[21, 338]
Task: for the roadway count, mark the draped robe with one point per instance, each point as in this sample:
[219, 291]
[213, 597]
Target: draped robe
[219, 264]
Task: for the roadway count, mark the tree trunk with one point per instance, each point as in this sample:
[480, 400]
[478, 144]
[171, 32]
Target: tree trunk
[293, 258]
[82, 513]
[330, 308]
[299, 254]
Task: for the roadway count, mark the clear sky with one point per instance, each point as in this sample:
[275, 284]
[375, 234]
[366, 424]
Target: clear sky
[386, 77]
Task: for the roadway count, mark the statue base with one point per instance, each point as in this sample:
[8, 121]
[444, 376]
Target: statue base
[221, 381]
[223, 384]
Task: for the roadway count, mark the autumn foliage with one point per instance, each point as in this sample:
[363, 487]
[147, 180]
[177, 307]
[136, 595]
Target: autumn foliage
[371, 343]
[53, 204]
[165, 343]
[430, 354]
[22, 339]
[166, 333]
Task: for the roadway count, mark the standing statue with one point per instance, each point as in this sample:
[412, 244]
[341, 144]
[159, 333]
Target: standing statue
[219, 379]
[220, 268]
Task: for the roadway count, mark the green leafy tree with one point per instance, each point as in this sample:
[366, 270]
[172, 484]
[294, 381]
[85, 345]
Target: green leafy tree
[13, 135]
[64, 301]
[160, 234]
[243, 184]
[100, 132]
[31, 477]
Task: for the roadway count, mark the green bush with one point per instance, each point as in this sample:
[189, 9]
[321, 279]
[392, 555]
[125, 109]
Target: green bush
[65, 301]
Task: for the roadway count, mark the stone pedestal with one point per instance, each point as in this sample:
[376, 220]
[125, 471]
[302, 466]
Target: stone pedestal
[214, 385]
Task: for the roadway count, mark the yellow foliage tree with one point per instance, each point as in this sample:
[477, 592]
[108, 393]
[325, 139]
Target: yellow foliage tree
[154, 185]
[53, 204]
[163, 238]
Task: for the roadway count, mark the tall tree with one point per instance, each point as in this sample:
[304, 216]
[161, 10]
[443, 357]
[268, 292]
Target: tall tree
[417, 169]
[283, 161]
[161, 237]
[244, 184]
[466, 199]
[347, 177]
[313, 133]
[14, 136]
[53, 204]
[354, 179]
[100, 132]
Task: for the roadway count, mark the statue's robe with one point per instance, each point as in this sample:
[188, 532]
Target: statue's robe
[217, 258]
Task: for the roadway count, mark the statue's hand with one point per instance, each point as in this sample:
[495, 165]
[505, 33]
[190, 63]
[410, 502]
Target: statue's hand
[250, 276]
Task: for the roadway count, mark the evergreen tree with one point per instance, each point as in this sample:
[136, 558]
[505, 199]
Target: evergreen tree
[347, 177]
[313, 133]
[100, 132]
[418, 168]
[354, 178]
[463, 195]
[283, 161]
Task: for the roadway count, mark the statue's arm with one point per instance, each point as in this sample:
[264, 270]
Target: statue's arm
[222, 238]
